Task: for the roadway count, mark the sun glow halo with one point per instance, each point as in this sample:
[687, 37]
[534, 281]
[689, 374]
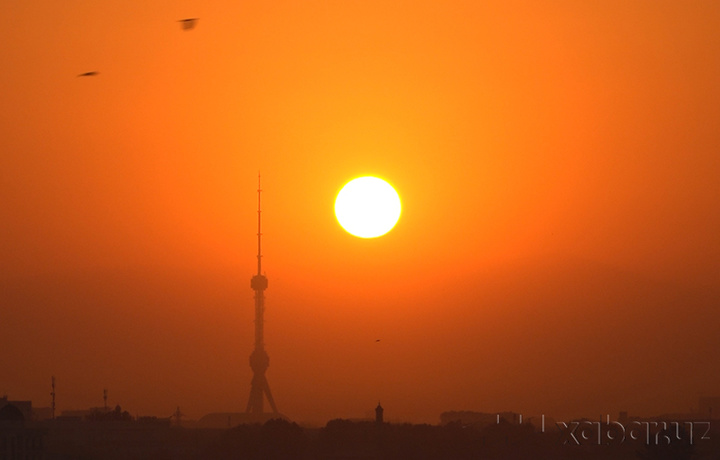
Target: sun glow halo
[367, 207]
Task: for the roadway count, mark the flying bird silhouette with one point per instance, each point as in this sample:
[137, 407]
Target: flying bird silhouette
[89, 74]
[189, 23]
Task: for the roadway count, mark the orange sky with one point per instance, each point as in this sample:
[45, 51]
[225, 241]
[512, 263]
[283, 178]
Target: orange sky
[558, 164]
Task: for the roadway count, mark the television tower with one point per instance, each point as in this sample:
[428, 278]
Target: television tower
[259, 359]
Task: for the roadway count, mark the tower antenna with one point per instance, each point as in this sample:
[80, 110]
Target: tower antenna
[259, 359]
[52, 393]
[259, 232]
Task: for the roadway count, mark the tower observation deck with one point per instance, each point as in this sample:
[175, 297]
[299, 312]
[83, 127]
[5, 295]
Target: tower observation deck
[259, 359]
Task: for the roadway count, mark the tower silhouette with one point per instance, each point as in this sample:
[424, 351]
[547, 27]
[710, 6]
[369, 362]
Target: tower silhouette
[379, 413]
[259, 359]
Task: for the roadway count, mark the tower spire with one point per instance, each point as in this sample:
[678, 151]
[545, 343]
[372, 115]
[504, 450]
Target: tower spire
[259, 359]
[52, 393]
[259, 232]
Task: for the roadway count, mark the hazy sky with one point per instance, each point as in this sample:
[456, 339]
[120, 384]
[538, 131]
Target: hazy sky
[558, 163]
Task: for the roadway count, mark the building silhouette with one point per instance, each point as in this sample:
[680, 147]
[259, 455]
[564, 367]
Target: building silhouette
[17, 440]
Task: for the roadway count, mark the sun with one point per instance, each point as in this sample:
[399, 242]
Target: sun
[367, 207]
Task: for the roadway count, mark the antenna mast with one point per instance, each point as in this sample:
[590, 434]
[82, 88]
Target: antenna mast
[259, 232]
[52, 393]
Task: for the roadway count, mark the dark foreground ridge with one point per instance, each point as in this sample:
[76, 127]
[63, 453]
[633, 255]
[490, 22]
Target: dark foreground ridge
[118, 437]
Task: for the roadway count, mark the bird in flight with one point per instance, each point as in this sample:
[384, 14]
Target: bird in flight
[189, 23]
[89, 74]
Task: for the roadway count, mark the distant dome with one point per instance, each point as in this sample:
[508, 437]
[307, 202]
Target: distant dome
[11, 413]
